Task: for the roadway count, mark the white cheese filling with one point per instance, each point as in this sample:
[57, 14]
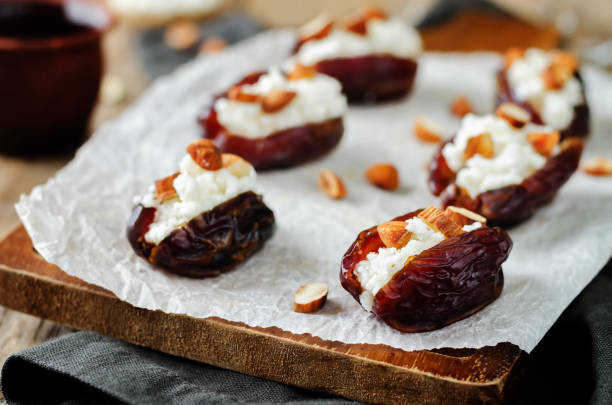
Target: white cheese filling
[198, 191]
[379, 267]
[383, 37]
[556, 107]
[318, 99]
[514, 157]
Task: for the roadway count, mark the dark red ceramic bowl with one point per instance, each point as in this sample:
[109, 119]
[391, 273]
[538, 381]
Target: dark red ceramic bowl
[50, 71]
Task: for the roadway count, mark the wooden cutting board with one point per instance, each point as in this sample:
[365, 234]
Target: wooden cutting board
[363, 372]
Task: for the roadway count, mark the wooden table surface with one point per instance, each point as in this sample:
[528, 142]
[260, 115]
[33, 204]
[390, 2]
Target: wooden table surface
[19, 331]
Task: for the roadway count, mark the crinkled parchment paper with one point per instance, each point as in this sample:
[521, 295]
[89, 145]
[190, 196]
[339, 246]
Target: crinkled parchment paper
[78, 219]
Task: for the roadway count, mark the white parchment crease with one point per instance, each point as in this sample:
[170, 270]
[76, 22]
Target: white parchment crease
[78, 219]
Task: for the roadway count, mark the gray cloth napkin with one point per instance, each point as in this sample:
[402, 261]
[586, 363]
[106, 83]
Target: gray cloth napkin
[85, 367]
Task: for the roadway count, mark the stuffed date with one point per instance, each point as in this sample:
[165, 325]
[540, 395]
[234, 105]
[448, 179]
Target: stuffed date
[503, 167]
[203, 220]
[277, 120]
[372, 55]
[426, 269]
[548, 85]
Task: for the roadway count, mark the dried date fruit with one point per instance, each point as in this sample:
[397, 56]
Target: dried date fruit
[578, 127]
[371, 78]
[512, 204]
[284, 148]
[209, 244]
[441, 285]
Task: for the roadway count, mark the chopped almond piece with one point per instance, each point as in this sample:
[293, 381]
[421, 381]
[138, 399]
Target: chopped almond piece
[213, 45]
[373, 12]
[463, 216]
[427, 130]
[479, 145]
[438, 221]
[383, 175]
[276, 100]
[310, 297]
[301, 72]
[461, 106]
[562, 68]
[331, 184]
[205, 153]
[511, 55]
[516, 115]
[394, 234]
[598, 166]
[544, 143]
[357, 25]
[316, 29]
[228, 159]
[182, 35]
[164, 188]
[236, 94]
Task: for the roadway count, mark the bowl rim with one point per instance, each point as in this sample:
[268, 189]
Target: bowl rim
[91, 34]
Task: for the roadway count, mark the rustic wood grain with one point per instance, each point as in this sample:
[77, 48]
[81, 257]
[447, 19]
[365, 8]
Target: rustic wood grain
[364, 372]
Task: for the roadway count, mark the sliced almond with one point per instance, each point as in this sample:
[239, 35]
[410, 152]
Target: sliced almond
[164, 188]
[316, 29]
[516, 115]
[213, 45]
[276, 100]
[310, 297]
[512, 54]
[383, 175]
[228, 159]
[394, 234]
[561, 69]
[182, 35]
[438, 221]
[331, 184]
[463, 216]
[544, 142]
[205, 153]
[479, 145]
[598, 166]
[427, 130]
[357, 25]
[237, 94]
[461, 106]
[301, 72]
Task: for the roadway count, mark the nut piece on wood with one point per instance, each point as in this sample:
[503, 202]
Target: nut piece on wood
[463, 216]
[182, 35]
[316, 29]
[331, 184]
[236, 94]
[598, 166]
[512, 54]
[437, 220]
[516, 115]
[394, 234]
[544, 143]
[479, 145]
[205, 153]
[383, 175]
[427, 130]
[276, 100]
[310, 297]
[213, 45]
[301, 72]
[164, 188]
[461, 106]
